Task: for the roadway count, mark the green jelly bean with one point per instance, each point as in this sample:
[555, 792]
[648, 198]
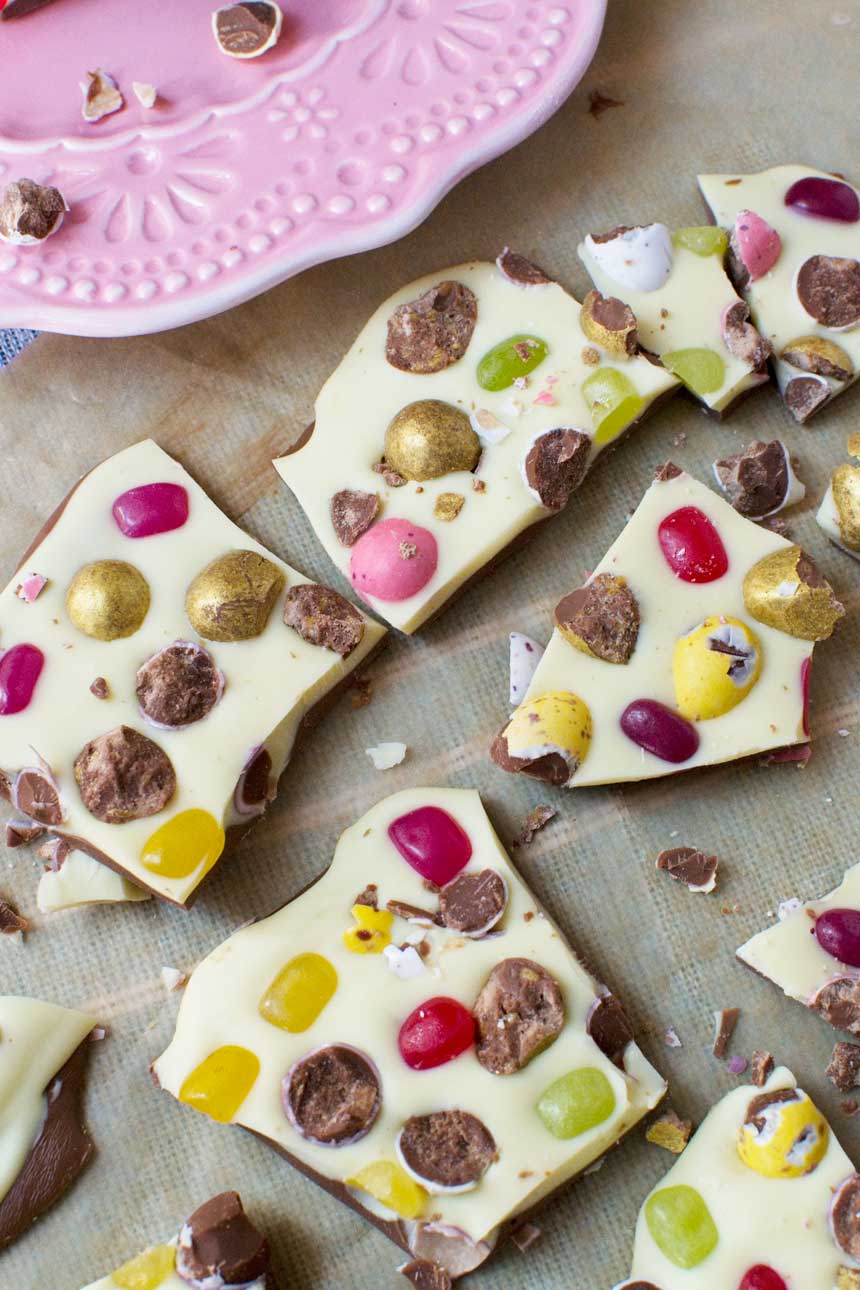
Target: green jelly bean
[704, 240]
[701, 370]
[576, 1102]
[613, 402]
[516, 356]
[681, 1226]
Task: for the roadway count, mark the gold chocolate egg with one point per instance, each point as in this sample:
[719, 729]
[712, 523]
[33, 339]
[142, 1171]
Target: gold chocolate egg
[231, 599]
[430, 438]
[845, 487]
[108, 599]
[787, 591]
[610, 323]
[820, 356]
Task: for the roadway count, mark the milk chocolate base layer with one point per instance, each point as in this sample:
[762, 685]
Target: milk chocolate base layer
[58, 1156]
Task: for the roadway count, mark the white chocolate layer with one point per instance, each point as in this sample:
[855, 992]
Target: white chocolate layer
[771, 714]
[36, 1041]
[81, 880]
[220, 1006]
[271, 680]
[780, 1222]
[359, 400]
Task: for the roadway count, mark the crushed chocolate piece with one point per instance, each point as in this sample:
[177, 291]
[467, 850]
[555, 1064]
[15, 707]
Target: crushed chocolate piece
[843, 1068]
[100, 688]
[448, 506]
[20, 833]
[412, 913]
[362, 690]
[609, 322]
[741, 337]
[839, 1003]
[610, 1028]
[369, 897]
[178, 685]
[756, 479]
[667, 471]
[220, 1243]
[820, 356]
[11, 922]
[473, 902]
[828, 288]
[518, 1013]
[352, 513]
[101, 96]
[479, 485]
[429, 334]
[332, 1096]
[761, 1067]
[30, 213]
[555, 465]
[425, 1275]
[446, 1148]
[524, 1236]
[536, 819]
[601, 618]
[552, 768]
[36, 795]
[323, 617]
[696, 869]
[599, 103]
[724, 1022]
[670, 1132]
[520, 270]
[845, 1216]
[393, 478]
[123, 775]
[804, 395]
[247, 29]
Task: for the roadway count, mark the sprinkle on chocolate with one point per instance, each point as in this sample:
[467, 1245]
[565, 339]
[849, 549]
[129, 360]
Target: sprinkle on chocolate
[332, 1095]
[828, 288]
[761, 1067]
[123, 775]
[447, 1148]
[516, 268]
[670, 1132]
[847, 1278]
[429, 334]
[536, 819]
[696, 869]
[472, 903]
[178, 685]
[11, 922]
[599, 103]
[609, 322]
[844, 1066]
[352, 512]
[724, 1027]
[408, 550]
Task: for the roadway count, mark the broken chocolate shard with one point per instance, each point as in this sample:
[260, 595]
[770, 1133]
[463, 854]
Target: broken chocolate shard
[696, 869]
[599, 103]
[100, 688]
[11, 922]
[610, 1028]
[667, 471]
[537, 818]
[843, 1068]
[446, 1148]
[413, 913]
[516, 268]
[741, 338]
[220, 1243]
[20, 833]
[429, 334]
[323, 617]
[555, 466]
[756, 480]
[761, 1067]
[601, 619]
[724, 1027]
[36, 795]
[518, 1014]
[352, 512]
[425, 1275]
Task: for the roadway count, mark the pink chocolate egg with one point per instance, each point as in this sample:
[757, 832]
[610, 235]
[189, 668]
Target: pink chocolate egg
[756, 243]
[393, 560]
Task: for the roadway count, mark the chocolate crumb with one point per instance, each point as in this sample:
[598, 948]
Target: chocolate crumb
[696, 869]
[20, 833]
[670, 1132]
[849, 1106]
[761, 1067]
[408, 550]
[11, 922]
[667, 471]
[724, 1022]
[392, 477]
[844, 1067]
[534, 821]
[590, 356]
[368, 897]
[524, 1236]
[425, 1275]
[362, 691]
[100, 688]
[599, 103]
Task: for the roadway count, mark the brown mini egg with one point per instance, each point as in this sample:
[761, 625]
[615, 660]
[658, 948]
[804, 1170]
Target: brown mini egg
[787, 591]
[232, 598]
[108, 599]
[845, 486]
[430, 438]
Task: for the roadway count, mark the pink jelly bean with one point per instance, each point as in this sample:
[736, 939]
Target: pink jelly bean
[825, 198]
[659, 730]
[435, 1032]
[150, 509]
[393, 560]
[838, 933]
[762, 1277]
[756, 243]
[20, 668]
[692, 546]
[805, 673]
[432, 842]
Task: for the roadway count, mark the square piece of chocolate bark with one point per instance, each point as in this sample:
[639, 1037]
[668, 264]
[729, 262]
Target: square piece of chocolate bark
[415, 1034]
[158, 666]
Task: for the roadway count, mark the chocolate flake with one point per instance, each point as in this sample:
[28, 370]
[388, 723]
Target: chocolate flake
[413, 913]
[392, 477]
[448, 506]
[323, 617]
[518, 1013]
[724, 1027]
[220, 1243]
[534, 821]
[473, 902]
[123, 775]
[433, 332]
[332, 1096]
[20, 833]
[425, 1275]
[667, 471]
[761, 1067]
[844, 1066]
[352, 513]
[696, 869]
[601, 619]
[178, 685]
[756, 479]
[524, 1236]
[555, 465]
[447, 1148]
[11, 922]
[30, 212]
[670, 1132]
[368, 897]
[516, 268]
[610, 1028]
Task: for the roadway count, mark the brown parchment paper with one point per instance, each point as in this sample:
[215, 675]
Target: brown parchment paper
[706, 85]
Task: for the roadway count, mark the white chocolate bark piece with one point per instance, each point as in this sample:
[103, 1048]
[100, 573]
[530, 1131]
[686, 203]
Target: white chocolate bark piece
[715, 1215]
[36, 1041]
[773, 297]
[81, 880]
[682, 318]
[260, 688]
[330, 939]
[495, 501]
[669, 706]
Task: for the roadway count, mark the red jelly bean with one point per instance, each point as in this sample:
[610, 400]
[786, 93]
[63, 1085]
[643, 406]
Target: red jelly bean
[762, 1277]
[436, 1032]
[659, 730]
[693, 548]
[432, 842]
[150, 509]
[20, 668]
[826, 198]
[838, 933]
[805, 671]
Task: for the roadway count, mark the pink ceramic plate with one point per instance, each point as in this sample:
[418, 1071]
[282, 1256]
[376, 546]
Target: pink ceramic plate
[341, 138]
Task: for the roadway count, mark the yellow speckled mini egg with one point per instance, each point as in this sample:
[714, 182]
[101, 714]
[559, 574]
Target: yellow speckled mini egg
[557, 721]
[714, 667]
[783, 1135]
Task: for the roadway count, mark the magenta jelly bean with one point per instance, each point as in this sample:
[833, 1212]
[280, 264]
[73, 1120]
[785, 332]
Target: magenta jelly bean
[432, 842]
[826, 198]
[762, 1277]
[150, 509]
[434, 1033]
[755, 243]
[393, 560]
[20, 668]
[659, 730]
[805, 673]
[838, 933]
[692, 546]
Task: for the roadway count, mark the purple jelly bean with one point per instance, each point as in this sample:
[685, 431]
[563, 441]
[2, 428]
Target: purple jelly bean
[20, 668]
[659, 730]
[825, 198]
[150, 509]
[432, 842]
[838, 933]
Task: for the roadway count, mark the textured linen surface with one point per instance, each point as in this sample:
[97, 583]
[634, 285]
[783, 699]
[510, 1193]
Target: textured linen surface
[707, 85]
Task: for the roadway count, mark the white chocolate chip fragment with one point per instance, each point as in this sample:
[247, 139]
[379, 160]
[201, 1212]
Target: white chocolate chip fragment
[145, 94]
[406, 964]
[172, 979]
[386, 755]
[488, 427]
[101, 96]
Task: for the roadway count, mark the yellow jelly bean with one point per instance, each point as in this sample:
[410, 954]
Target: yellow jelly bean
[148, 1270]
[783, 1139]
[220, 1084]
[183, 844]
[372, 933]
[299, 993]
[715, 667]
[386, 1182]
